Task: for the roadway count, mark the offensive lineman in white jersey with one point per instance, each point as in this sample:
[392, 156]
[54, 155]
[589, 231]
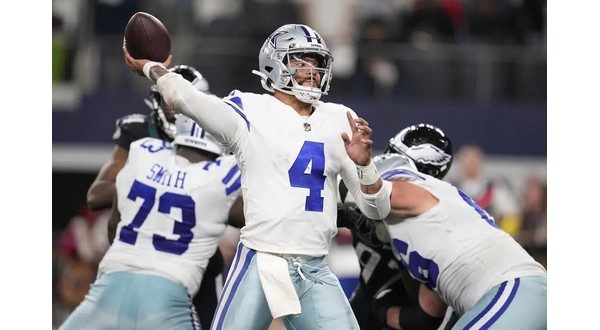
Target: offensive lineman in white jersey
[290, 147]
[172, 204]
[451, 245]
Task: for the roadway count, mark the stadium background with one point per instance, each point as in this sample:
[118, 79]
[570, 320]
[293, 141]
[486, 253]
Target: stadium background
[475, 68]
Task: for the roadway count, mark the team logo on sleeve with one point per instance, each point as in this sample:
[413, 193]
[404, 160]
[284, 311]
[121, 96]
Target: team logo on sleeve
[429, 154]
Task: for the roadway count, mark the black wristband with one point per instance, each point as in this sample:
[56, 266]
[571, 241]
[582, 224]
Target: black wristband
[413, 317]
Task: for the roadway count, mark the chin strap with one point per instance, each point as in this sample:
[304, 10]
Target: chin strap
[263, 80]
[296, 92]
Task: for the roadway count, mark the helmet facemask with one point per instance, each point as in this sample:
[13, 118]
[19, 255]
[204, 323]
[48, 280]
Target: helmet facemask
[153, 102]
[303, 67]
[167, 126]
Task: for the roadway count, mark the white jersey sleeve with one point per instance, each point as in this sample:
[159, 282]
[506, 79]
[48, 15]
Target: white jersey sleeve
[220, 117]
[172, 213]
[376, 206]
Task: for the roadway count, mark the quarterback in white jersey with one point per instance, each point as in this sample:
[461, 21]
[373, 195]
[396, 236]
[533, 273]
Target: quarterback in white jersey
[451, 245]
[173, 202]
[290, 148]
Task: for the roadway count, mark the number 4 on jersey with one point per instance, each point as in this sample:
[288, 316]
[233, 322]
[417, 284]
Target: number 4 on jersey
[308, 172]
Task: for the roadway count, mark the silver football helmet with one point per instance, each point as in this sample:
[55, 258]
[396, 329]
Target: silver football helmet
[188, 133]
[295, 41]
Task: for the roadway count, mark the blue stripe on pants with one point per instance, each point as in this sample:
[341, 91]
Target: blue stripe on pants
[517, 304]
[243, 256]
[504, 307]
[492, 312]
[489, 306]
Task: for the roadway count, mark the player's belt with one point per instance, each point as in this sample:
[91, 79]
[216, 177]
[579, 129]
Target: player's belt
[295, 257]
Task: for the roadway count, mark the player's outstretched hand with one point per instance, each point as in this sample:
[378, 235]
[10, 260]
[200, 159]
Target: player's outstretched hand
[359, 147]
[136, 65]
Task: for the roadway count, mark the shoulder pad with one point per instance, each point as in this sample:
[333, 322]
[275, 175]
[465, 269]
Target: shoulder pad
[335, 107]
[152, 145]
[131, 127]
[396, 166]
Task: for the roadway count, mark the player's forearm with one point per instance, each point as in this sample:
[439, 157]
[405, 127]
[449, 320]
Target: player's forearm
[425, 313]
[100, 194]
[156, 72]
[375, 202]
[209, 111]
[376, 205]
[393, 317]
[369, 179]
[113, 219]
[372, 188]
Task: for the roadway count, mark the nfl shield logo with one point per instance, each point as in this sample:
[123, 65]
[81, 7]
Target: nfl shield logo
[307, 127]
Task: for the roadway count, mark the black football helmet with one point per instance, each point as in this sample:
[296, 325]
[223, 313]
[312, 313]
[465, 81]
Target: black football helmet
[427, 146]
[167, 125]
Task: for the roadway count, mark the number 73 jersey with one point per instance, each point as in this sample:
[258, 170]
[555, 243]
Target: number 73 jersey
[172, 212]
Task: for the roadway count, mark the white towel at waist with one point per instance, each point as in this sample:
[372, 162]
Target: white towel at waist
[277, 284]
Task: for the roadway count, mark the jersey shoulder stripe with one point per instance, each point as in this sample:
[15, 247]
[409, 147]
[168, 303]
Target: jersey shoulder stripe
[401, 174]
[235, 102]
[232, 180]
[233, 176]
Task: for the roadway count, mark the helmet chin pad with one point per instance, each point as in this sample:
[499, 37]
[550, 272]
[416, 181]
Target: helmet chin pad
[306, 96]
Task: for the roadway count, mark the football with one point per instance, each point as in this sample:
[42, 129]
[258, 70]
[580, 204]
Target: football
[146, 37]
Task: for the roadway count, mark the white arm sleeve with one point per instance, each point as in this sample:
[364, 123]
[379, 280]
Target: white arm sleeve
[376, 206]
[209, 111]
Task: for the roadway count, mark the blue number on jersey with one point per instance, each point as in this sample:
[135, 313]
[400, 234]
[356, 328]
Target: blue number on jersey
[422, 269]
[128, 233]
[483, 213]
[166, 202]
[152, 148]
[311, 153]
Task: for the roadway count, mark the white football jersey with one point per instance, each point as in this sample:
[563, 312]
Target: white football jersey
[172, 212]
[455, 247]
[290, 196]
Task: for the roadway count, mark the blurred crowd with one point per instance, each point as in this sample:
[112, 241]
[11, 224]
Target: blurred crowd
[362, 35]
[522, 213]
